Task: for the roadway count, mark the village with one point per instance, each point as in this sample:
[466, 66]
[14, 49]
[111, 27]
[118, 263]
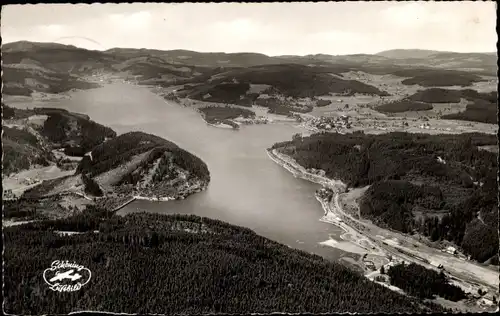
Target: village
[323, 123]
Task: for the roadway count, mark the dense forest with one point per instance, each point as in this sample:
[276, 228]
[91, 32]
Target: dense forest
[23, 209]
[438, 78]
[404, 105]
[59, 128]
[301, 81]
[15, 90]
[282, 107]
[289, 80]
[228, 93]
[482, 107]
[439, 95]
[152, 263]
[418, 281]
[91, 186]
[155, 68]
[442, 186]
[478, 111]
[321, 103]
[215, 114]
[121, 149]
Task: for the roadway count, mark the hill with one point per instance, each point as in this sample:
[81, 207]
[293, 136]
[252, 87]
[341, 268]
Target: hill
[59, 58]
[25, 78]
[22, 46]
[31, 136]
[211, 59]
[177, 67]
[480, 63]
[107, 169]
[145, 164]
[290, 85]
[180, 264]
[407, 53]
[441, 186]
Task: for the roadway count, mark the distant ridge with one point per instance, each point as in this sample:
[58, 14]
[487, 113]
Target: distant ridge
[27, 45]
[422, 53]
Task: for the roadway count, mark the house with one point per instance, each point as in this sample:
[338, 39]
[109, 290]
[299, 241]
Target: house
[441, 160]
[435, 264]
[451, 250]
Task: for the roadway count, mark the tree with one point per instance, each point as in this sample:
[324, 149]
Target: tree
[297, 137]
[382, 270]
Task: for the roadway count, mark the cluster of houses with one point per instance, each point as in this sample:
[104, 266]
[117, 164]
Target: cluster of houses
[329, 123]
[256, 120]
[425, 126]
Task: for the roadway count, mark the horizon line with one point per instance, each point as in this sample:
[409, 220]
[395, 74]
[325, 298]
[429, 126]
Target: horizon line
[221, 52]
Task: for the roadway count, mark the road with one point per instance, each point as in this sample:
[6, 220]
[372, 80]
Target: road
[473, 274]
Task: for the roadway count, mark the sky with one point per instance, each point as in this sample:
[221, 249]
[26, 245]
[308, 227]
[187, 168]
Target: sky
[334, 28]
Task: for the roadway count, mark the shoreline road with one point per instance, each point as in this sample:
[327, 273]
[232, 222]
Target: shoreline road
[467, 274]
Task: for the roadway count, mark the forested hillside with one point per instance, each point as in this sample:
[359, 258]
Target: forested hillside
[145, 263]
[31, 135]
[440, 78]
[442, 186]
[137, 162]
[478, 110]
[289, 80]
[404, 105]
[122, 148]
[423, 283]
[25, 80]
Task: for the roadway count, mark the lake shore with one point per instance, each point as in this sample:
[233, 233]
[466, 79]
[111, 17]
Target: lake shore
[300, 172]
[467, 275]
[331, 214]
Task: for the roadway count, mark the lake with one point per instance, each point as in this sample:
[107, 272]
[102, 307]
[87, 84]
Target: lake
[246, 188]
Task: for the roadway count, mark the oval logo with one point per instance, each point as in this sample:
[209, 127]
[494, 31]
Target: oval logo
[65, 276]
